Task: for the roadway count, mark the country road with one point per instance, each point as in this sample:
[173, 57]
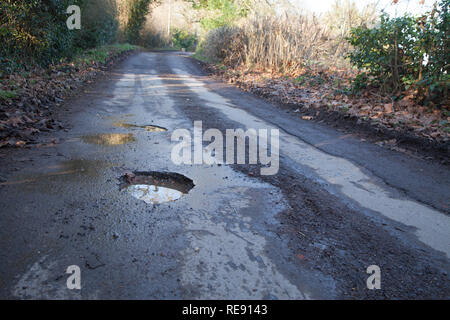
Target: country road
[336, 206]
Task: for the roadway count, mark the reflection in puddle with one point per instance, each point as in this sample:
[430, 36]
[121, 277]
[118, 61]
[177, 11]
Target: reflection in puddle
[155, 129]
[150, 128]
[60, 178]
[117, 117]
[154, 194]
[156, 187]
[110, 139]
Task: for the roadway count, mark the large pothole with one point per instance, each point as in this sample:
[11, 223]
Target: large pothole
[156, 187]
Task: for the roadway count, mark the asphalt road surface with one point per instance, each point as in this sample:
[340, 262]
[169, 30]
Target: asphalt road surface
[336, 206]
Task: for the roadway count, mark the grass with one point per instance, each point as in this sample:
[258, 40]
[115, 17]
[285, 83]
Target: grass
[5, 95]
[197, 55]
[312, 80]
[168, 48]
[101, 54]
[299, 80]
[200, 56]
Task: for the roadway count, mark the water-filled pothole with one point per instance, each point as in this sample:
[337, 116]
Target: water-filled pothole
[109, 139]
[156, 187]
[150, 128]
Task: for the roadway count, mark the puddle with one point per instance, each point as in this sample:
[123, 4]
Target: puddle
[61, 177]
[149, 128]
[116, 117]
[153, 194]
[110, 139]
[155, 129]
[156, 187]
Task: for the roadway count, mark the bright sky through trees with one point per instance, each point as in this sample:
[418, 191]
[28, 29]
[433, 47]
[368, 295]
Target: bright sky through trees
[412, 6]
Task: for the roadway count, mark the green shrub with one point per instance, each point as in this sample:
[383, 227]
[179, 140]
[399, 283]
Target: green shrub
[150, 38]
[183, 39]
[406, 53]
[34, 30]
[99, 25]
[137, 16]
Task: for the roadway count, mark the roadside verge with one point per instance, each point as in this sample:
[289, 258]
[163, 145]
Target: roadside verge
[29, 98]
[397, 125]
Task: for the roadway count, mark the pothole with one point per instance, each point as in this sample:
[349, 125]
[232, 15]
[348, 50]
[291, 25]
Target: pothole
[150, 128]
[156, 187]
[109, 139]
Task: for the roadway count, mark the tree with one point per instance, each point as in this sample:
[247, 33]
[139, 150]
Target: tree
[136, 20]
[220, 13]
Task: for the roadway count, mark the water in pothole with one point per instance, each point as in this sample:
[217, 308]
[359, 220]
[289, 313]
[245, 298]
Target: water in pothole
[156, 187]
[154, 194]
[150, 128]
[109, 139]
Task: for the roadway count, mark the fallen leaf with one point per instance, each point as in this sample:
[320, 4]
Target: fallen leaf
[388, 108]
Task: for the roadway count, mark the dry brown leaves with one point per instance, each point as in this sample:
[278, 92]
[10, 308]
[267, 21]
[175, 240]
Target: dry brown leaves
[38, 93]
[402, 115]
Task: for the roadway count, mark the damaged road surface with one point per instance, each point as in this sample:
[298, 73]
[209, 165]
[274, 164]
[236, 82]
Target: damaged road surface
[108, 198]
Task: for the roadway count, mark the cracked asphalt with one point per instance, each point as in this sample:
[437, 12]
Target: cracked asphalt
[337, 205]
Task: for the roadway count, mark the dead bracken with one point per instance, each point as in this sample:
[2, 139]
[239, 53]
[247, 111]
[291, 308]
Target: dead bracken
[156, 187]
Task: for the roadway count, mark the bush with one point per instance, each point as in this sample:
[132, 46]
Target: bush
[223, 44]
[151, 38]
[184, 39]
[136, 19]
[34, 30]
[406, 53]
[285, 45]
[99, 24]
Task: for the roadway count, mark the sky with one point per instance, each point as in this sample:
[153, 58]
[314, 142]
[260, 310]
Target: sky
[411, 6]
